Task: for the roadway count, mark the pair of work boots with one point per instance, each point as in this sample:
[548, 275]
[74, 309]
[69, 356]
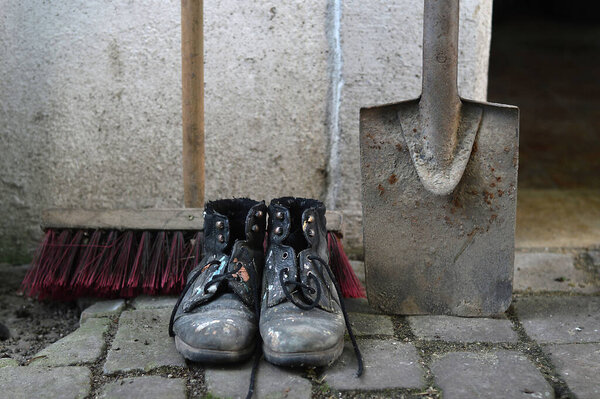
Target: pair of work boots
[288, 295]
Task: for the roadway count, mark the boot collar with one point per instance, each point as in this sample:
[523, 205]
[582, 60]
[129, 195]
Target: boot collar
[223, 220]
[286, 212]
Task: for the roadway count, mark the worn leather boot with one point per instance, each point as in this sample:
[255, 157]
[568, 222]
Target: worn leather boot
[302, 321]
[216, 316]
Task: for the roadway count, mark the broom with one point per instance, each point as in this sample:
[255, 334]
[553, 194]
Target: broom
[125, 253]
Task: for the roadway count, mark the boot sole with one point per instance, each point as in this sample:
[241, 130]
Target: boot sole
[212, 355]
[318, 358]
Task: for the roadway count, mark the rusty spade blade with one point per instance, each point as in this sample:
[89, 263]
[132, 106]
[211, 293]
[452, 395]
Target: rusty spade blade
[439, 182]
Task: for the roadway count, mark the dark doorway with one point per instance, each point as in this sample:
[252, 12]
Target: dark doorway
[545, 58]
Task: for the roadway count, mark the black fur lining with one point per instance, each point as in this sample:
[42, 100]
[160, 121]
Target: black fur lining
[234, 209]
[297, 206]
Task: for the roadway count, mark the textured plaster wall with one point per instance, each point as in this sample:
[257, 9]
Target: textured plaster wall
[90, 108]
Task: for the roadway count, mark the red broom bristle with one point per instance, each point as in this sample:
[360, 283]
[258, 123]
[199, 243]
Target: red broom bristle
[170, 274]
[56, 257]
[140, 262]
[89, 258]
[66, 267]
[30, 286]
[75, 263]
[158, 257]
[340, 265]
[122, 265]
[100, 271]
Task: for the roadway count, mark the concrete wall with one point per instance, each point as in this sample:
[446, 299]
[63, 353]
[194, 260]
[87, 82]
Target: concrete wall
[90, 104]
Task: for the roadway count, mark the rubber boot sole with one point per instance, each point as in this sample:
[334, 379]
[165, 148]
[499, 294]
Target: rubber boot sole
[318, 358]
[212, 355]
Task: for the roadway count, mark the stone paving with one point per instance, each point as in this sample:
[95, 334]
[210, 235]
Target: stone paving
[546, 346]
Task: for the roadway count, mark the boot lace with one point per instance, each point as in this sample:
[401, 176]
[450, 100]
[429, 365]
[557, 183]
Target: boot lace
[307, 303]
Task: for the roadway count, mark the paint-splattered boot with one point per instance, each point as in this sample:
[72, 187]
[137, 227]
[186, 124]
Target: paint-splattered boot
[216, 316]
[302, 321]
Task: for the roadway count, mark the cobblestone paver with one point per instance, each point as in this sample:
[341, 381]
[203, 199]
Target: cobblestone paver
[153, 302]
[122, 350]
[560, 319]
[108, 308]
[144, 387]
[388, 364]
[360, 305]
[45, 383]
[462, 329]
[271, 382]
[84, 345]
[500, 374]
[579, 365]
[8, 362]
[544, 271]
[370, 324]
[142, 342]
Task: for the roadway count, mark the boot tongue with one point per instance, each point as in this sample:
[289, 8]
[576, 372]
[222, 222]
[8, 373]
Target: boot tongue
[203, 290]
[280, 259]
[244, 280]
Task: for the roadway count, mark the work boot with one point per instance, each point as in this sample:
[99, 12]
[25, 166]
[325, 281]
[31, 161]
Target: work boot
[302, 320]
[216, 316]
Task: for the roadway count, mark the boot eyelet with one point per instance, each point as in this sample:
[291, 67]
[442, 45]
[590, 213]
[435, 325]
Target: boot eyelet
[220, 224]
[258, 214]
[221, 238]
[279, 215]
[311, 219]
[255, 228]
[284, 255]
[278, 230]
[311, 233]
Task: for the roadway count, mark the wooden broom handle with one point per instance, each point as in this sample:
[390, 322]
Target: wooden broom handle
[192, 74]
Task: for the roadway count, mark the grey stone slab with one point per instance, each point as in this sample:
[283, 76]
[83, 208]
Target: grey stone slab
[142, 342]
[85, 302]
[371, 324]
[145, 387]
[154, 302]
[579, 366]
[45, 383]
[594, 256]
[544, 271]
[8, 362]
[387, 365]
[271, 382]
[107, 308]
[500, 374]
[360, 305]
[84, 345]
[462, 329]
[560, 319]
